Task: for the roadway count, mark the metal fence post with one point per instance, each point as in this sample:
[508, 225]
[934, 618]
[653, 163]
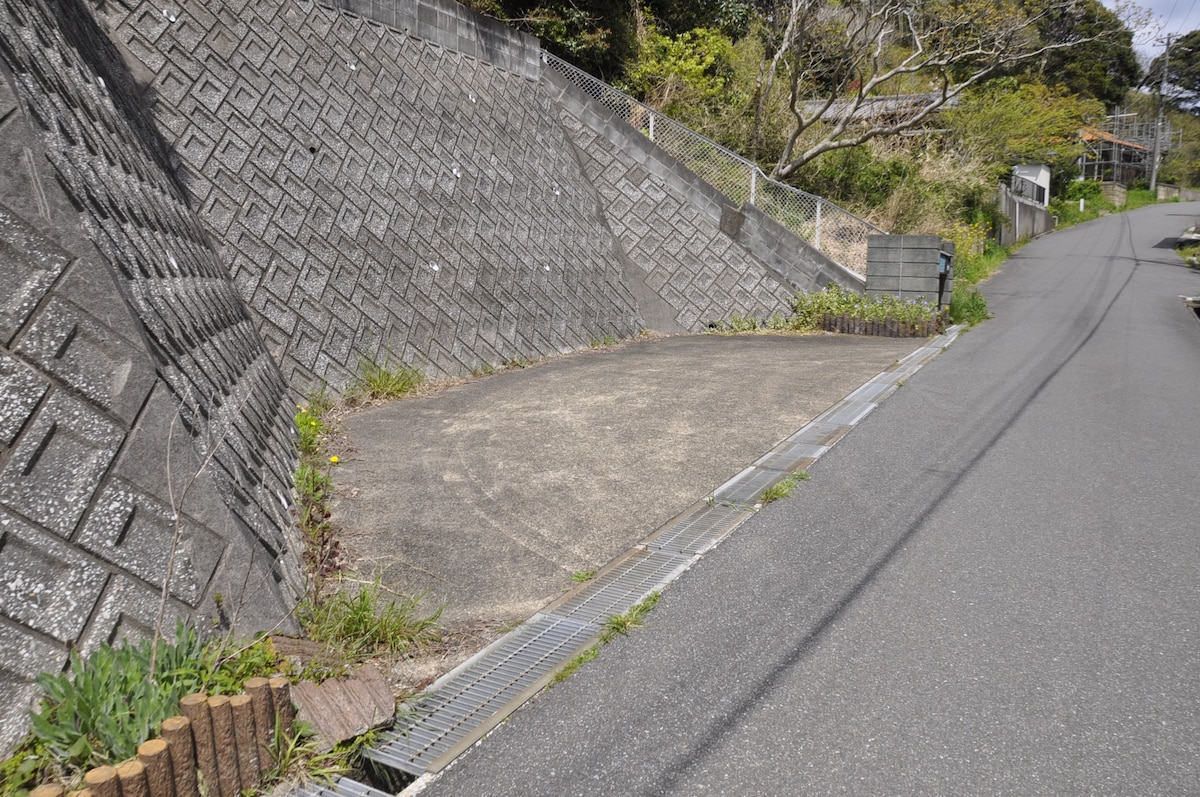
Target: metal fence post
[753, 186]
[652, 126]
[817, 234]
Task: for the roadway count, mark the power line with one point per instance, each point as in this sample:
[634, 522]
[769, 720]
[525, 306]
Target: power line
[1186, 16]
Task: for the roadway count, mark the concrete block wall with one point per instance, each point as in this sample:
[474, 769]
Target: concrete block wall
[209, 207]
[448, 24]
[905, 266]
[1025, 218]
[140, 415]
[700, 258]
[1169, 192]
[379, 195]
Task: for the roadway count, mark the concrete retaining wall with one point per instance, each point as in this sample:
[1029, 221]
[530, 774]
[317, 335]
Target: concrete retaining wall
[144, 429]
[1114, 193]
[208, 208]
[380, 195]
[700, 258]
[1169, 192]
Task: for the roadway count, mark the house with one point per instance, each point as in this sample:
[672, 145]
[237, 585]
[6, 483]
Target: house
[1032, 181]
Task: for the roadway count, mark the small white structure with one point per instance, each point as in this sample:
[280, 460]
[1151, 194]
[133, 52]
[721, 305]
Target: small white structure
[1032, 181]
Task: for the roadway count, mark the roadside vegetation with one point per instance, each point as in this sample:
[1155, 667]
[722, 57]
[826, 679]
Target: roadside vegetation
[614, 626]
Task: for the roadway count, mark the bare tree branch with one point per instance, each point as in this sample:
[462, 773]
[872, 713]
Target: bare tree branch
[851, 63]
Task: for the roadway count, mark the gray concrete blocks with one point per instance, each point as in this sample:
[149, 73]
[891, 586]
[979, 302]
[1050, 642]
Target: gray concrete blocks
[906, 266]
[355, 180]
[674, 228]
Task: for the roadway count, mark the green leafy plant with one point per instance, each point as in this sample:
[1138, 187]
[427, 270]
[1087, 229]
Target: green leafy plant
[231, 664]
[809, 309]
[29, 764]
[112, 702]
[308, 431]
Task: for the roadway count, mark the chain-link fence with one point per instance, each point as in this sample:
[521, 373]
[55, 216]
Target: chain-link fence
[839, 235]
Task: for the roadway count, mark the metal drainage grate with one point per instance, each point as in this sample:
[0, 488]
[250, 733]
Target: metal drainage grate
[847, 413]
[820, 433]
[338, 787]
[480, 695]
[698, 529]
[747, 486]
[791, 457]
[621, 586]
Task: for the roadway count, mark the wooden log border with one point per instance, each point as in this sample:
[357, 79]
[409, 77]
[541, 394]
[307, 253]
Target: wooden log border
[889, 328]
[221, 745]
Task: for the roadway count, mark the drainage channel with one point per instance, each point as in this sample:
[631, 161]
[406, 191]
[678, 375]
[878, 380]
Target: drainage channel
[469, 701]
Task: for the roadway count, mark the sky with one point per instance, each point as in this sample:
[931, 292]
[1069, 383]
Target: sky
[1175, 17]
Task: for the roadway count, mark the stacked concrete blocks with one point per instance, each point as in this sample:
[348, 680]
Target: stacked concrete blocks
[906, 266]
[448, 24]
[684, 242]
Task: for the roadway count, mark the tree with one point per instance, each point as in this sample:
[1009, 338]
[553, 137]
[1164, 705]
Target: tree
[859, 69]
[1183, 72]
[1104, 68]
[683, 76]
[598, 36]
[1007, 121]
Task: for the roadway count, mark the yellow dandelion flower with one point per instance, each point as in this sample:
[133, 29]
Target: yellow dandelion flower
[334, 459]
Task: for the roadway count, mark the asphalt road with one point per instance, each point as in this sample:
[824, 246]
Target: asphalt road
[989, 587]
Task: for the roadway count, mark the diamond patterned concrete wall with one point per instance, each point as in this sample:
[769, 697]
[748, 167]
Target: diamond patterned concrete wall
[380, 195]
[126, 360]
[691, 248]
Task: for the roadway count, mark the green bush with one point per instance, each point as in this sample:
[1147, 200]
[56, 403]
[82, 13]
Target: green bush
[1084, 189]
[809, 309]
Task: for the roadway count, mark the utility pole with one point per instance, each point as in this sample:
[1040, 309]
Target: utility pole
[1158, 124]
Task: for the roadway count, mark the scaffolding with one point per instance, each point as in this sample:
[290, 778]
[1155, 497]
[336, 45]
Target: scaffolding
[1122, 149]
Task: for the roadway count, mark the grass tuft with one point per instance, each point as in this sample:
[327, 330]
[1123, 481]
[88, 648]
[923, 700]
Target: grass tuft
[784, 487]
[589, 654]
[362, 623]
[383, 381]
[583, 576]
[622, 624]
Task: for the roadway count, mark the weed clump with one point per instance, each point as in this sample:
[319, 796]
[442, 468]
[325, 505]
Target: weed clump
[783, 488]
[967, 306]
[116, 698]
[359, 624]
[381, 381]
